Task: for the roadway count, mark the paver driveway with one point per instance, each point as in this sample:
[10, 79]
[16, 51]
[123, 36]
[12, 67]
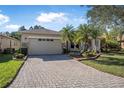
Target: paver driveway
[61, 71]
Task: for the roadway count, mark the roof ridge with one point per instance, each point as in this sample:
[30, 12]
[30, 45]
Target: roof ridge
[40, 29]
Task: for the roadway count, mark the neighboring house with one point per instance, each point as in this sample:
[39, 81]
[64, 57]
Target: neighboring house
[8, 42]
[122, 41]
[122, 44]
[45, 41]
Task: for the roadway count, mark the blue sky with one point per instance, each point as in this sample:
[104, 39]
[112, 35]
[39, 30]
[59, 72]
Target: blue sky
[51, 17]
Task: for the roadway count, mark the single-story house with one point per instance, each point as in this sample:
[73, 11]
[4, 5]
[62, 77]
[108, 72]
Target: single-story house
[41, 41]
[45, 41]
[7, 42]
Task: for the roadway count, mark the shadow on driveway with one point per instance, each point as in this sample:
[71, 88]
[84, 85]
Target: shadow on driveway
[52, 57]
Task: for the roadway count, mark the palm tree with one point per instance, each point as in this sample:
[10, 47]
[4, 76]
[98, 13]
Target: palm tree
[67, 34]
[95, 32]
[82, 35]
[76, 37]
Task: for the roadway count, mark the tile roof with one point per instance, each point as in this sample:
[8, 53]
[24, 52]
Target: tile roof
[8, 37]
[41, 31]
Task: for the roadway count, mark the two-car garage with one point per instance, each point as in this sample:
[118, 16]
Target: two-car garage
[38, 46]
[41, 41]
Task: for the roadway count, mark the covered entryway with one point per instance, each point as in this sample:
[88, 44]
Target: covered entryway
[38, 46]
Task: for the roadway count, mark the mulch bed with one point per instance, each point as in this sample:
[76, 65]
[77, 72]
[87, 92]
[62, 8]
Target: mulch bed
[80, 58]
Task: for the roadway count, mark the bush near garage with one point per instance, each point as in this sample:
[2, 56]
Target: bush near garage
[19, 56]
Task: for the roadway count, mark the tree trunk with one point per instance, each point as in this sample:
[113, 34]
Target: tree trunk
[85, 46]
[93, 44]
[106, 46]
[120, 40]
[67, 45]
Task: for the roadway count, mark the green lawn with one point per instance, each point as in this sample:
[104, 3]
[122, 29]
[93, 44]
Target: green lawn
[110, 63]
[8, 69]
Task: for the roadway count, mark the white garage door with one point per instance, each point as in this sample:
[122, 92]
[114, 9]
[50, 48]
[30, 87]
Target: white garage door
[44, 46]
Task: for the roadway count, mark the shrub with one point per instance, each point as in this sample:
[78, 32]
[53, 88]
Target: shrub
[9, 51]
[19, 56]
[18, 51]
[24, 51]
[65, 51]
[122, 50]
[91, 53]
[112, 44]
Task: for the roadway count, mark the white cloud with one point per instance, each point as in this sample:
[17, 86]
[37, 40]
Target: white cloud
[3, 19]
[12, 27]
[51, 17]
[80, 20]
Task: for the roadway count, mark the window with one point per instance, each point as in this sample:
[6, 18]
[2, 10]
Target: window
[72, 45]
[39, 39]
[48, 39]
[77, 46]
[45, 39]
[51, 39]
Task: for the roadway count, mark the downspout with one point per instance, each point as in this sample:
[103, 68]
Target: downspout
[10, 46]
[1, 44]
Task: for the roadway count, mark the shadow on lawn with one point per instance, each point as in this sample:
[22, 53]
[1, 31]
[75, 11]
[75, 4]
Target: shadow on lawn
[110, 61]
[115, 53]
[5, 58]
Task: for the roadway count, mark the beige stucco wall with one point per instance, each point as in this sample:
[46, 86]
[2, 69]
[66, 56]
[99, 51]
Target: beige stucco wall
[122, 41]
[15, 44]
[122, 44]
[6, 42]
[25, 38]
[35, 47]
